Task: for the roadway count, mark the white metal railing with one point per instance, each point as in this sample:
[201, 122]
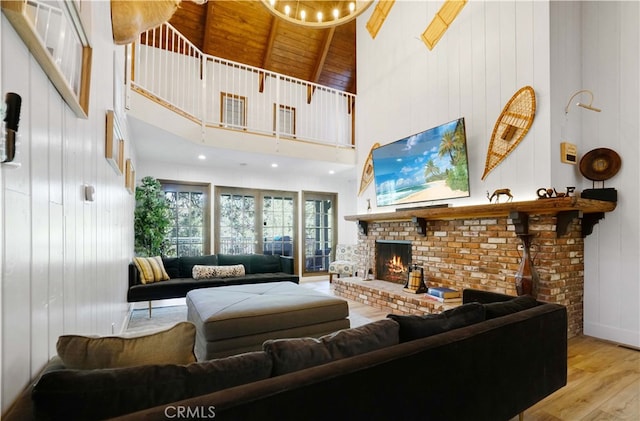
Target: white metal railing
[168, 67]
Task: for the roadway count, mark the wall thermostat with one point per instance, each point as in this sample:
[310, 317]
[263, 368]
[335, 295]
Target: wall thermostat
[568, 153]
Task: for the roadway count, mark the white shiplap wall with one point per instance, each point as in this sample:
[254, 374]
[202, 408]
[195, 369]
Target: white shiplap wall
[491, 50]
[64, 260]
[611, 69]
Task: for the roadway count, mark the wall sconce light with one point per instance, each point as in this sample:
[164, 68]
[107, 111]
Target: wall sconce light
[11, 112]
[580, 104]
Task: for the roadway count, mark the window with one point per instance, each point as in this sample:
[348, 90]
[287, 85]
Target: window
[319, 222]
[287, 120]
[255, 221]
[190, 209]
[233, 110]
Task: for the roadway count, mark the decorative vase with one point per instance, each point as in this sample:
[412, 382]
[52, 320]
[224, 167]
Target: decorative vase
[526, 278]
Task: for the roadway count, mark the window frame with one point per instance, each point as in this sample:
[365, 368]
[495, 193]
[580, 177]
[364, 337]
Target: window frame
[204, 188]
[277, 112]
[223, 110]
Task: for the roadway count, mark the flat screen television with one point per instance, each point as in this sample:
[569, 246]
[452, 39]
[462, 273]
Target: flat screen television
[427, 166]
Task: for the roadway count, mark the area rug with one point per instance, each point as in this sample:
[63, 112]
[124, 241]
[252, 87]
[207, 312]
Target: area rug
[161, 317]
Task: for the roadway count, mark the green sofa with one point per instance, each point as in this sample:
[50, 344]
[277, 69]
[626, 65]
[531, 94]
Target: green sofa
[258, 269]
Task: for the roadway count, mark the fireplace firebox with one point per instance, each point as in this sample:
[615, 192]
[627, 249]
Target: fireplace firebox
[393, 259]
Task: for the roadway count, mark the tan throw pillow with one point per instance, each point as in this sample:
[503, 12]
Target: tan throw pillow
[151, 269]
[204, 272]
[171, 346]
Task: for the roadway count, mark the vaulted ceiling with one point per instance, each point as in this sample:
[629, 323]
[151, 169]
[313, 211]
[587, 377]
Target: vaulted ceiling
[246, 32]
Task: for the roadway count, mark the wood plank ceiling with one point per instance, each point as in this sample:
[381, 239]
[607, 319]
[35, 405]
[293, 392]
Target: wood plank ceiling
[246, 32]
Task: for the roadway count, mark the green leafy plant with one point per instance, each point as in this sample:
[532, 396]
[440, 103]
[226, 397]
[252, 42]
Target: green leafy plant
[151, 218]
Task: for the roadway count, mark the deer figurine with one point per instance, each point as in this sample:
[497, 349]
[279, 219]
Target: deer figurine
[498, 193]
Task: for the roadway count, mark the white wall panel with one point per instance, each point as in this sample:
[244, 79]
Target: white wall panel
[610, 68]
[488, 53]
[54, 279]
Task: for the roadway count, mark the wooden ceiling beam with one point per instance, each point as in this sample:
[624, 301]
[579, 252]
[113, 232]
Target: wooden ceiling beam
[273, 31]
[323, 54]
[208, 23]
[322, 57]
[268, 51]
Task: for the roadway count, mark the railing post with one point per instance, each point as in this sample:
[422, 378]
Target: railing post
[277, 112]
[203, 94]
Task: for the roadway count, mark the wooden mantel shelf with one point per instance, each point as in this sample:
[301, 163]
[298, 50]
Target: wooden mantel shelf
[566, 208]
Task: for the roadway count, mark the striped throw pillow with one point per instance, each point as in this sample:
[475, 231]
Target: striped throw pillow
[151, 269]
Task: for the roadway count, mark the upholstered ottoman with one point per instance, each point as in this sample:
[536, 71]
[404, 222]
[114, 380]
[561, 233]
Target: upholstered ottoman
[239, 318]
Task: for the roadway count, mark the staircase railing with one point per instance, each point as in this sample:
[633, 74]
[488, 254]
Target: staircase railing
[220, 93]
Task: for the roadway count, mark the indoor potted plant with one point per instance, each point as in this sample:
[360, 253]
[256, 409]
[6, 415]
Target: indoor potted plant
[151, 218]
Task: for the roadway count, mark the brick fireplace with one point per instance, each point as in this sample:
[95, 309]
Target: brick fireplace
[485, 253]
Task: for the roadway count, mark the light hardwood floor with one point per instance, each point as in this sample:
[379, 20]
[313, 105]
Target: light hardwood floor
[603, 378]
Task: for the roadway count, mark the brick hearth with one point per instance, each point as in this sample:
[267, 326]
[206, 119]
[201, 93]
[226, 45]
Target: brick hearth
[484, 254]
[387, 296]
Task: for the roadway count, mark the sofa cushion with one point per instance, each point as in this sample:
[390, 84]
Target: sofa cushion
[187, 262]
[207, 272]
[238, 259]
[290, 355]
[415, 327]
[171, 346]
[105, 393]
[172, 266]
[514, 305]
[151, 269]
[265, 263]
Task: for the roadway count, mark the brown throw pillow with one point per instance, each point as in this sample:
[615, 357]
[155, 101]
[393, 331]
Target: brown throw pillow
[295, 354]
[172, 346]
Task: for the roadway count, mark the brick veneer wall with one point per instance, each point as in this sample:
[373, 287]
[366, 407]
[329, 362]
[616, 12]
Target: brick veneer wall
[486, 253]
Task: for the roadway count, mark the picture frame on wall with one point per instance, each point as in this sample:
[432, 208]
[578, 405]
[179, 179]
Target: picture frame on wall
[130, 177]
[121, 155]
[114, 143]
[54, 33]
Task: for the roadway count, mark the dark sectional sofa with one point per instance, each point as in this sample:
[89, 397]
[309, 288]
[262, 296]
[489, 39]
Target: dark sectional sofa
[492, 359]
[258, 268]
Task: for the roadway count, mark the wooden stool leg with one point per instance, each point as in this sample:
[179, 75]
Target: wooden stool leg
[330, 277]
[521, 416]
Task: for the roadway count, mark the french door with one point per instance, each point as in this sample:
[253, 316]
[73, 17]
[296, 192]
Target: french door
[255, 221]
[319, 229]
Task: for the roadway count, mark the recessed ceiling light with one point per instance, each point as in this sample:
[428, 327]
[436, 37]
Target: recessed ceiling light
[202, 157]
[332, 172]
[274, 165]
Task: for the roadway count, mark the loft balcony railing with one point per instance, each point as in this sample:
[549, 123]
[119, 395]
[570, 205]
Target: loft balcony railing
[219, 93]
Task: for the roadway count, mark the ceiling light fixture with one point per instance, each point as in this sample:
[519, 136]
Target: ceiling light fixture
[336, 12]
[579, 104]
[202, 157]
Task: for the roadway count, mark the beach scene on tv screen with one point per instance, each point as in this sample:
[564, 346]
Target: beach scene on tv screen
[427, 166]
